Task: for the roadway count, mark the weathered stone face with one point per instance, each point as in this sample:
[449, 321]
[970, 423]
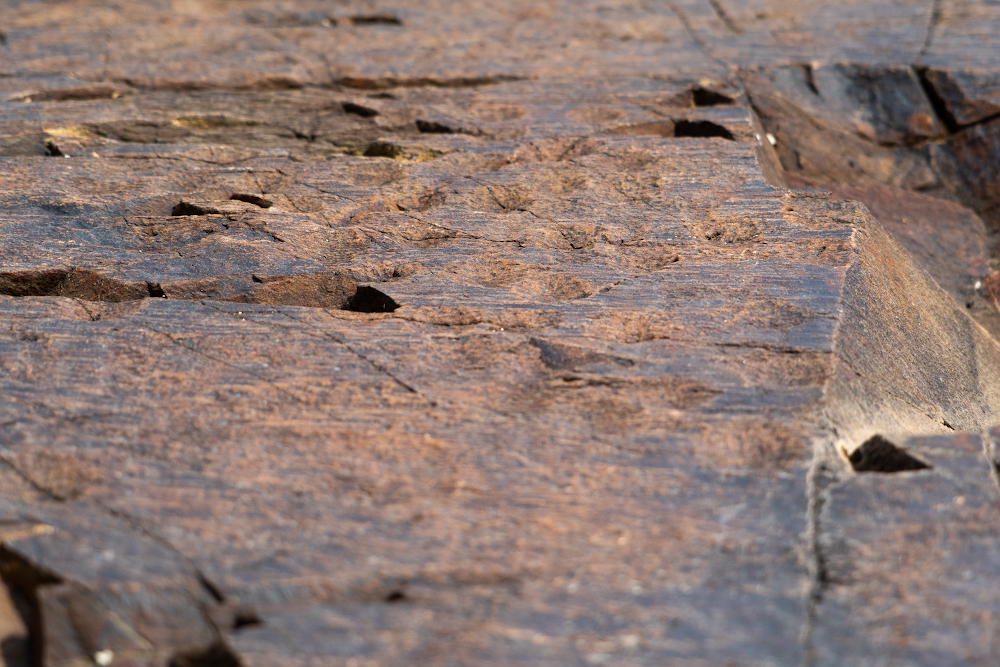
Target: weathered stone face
[490, 334]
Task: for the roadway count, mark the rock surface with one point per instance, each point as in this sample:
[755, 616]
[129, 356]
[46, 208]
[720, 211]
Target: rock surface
[499, 334]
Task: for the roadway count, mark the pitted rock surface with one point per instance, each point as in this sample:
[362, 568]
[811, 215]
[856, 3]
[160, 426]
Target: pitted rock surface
[367, 334]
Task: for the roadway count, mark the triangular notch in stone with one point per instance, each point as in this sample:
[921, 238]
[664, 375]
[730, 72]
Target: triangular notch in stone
[879, 455]
[370, 300]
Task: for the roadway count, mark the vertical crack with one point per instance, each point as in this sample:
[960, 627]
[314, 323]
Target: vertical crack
[724, 17]
[938, 103]
[821, 476]
[689, 29]
[932, 25]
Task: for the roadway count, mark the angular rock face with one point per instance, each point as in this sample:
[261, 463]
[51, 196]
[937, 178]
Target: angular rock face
[498, 334]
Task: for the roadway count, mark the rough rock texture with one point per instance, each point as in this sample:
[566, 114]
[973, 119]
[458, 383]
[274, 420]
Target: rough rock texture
[499, 333]
[910, 558]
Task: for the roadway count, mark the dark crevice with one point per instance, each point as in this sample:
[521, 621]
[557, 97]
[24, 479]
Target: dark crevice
[384, 149]
[431, 127]
[940, 105]
[371, 19]
[396, 596]
[724, 17]
[186, 208]
[256, 200]
[937, 102]
[807, 73]
[704, 97]
[701, 129]
[823, 478]
[15, 651]
[23, 579]
[244, 618]
[380, 83]
[217, 655]
[983, 121]
[820, 478]
[52, 150]
[358, 110]
[879, 455]
[370, 300]
[211, 588]
[932, 25]
[311, 19]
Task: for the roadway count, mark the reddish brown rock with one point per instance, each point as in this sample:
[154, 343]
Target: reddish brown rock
[489, 334]
[907, 557]
[946, 239]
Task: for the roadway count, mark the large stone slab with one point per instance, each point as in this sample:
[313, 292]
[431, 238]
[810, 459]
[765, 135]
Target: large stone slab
[491, 334]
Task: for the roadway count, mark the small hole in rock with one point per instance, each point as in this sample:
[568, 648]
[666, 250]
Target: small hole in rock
[430, 127]
[256, 200]
[701, 129]
[216, 655]
[156, 291]
[383, 149]
[358, 110]
[370, 300]
[245, 618]
[396, 596]
[52, 150]
[186, 208]
[703, 97]
[879, 455]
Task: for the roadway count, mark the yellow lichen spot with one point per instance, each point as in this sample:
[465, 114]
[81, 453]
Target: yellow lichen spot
[73, 131]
